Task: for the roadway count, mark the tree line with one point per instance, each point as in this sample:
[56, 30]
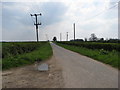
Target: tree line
[94, 38]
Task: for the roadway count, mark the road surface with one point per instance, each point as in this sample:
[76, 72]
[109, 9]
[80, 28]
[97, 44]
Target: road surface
[82, 72]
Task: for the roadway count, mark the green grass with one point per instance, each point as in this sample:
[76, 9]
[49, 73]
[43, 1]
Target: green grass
[107, 57]
[42, 53]
[16, 48]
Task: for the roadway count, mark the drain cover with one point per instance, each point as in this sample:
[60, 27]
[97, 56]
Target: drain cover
[43, 67]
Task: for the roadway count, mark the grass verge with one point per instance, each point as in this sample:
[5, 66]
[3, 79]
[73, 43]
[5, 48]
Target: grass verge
[111, 57]
[42, 53]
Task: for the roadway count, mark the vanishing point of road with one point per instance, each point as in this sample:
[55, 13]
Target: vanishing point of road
[82, 72]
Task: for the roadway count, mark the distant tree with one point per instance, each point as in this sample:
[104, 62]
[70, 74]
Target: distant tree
[101, 40]
[85, 39]
[54, 39]
[93, 37]
[113, 40]
[106, 39]
[81, 40]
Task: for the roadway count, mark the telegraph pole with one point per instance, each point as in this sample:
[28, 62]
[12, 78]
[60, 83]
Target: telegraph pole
[47, 37]
[60, 36]
[74, 30]
[36, 24]
[67, 37]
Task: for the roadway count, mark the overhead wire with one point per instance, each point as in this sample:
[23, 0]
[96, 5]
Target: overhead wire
[38, 10]
[103, 11]
[35, 10]
[32, 11]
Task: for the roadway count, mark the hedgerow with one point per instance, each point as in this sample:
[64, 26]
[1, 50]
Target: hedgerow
[15, 48]
[94, 45]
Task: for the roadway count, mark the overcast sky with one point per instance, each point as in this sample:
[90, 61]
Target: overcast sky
[90, 16]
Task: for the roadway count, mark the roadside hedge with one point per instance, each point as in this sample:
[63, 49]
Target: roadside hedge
[94, 45]
[15, 48]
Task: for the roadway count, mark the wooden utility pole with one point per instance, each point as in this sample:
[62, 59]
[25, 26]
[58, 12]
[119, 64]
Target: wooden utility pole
[36, 24]
[74, 30]
[67, 37]
[60, 36]
[47, 37]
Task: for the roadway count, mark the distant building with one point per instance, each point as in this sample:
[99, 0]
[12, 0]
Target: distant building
[77, 40]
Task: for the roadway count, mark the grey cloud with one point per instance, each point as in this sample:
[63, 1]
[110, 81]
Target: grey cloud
[53, 12]
[15, 21]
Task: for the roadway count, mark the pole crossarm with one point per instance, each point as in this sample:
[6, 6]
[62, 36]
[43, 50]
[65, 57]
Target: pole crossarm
[36, 14]
[37, 24]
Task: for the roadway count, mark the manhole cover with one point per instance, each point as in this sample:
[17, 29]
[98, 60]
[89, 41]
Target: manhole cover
[43, 67]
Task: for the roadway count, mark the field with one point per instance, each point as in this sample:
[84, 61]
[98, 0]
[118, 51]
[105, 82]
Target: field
[16, 54]
[104, 52]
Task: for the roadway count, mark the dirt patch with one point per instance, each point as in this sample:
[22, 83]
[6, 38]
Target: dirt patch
[29, 77]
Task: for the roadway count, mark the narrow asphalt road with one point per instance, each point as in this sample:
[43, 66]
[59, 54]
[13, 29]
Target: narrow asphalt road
[82, 72]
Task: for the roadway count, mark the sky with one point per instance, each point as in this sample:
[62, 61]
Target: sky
[90, 16]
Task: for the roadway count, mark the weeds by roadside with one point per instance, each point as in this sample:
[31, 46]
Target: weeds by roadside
[42, 52]
[108, 57]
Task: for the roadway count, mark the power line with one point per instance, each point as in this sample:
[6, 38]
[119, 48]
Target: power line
[36, 8]
[31, 11]
[33, 8]
[104, 11]
[32, 19]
